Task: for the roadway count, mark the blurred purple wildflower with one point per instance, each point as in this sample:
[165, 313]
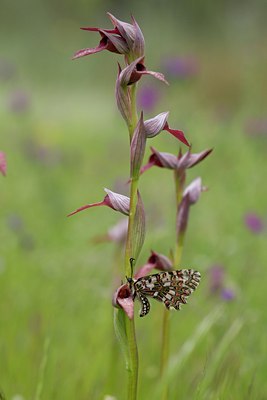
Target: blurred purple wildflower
[217, 283]
[227, 294]
[27, 242]
[181, 67]
[147, 98]
[216, 278]
[2, 163]
[7, 70]
[256, 127]
[254, 223]
[43, 154]
[15, 223]
[19, 101]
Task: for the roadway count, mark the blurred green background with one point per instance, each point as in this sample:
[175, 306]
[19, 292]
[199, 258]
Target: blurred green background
[64, 141]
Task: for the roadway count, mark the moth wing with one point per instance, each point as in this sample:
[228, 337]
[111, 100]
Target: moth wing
[172, 288]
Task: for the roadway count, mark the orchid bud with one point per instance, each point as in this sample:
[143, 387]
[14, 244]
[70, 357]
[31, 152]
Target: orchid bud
[193, 191]
[138, 146]
[123, 97]
[139, 228]
[190, 196]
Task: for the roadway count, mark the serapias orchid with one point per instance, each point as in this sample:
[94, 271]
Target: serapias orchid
[124, 38]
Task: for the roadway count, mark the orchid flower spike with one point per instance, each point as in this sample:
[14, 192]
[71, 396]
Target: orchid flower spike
[124, 38]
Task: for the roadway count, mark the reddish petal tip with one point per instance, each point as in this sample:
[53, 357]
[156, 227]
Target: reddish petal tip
[178, 134]
[101, 203]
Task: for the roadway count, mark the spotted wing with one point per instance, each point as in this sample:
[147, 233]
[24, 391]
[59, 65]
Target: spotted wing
[172, 288]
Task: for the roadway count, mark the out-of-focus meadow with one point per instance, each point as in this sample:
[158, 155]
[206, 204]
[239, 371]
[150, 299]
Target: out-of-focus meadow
[64, 141]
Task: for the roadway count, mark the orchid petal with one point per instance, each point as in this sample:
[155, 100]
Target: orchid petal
[157, 75]
[123, 298]
[177, 133]
[189, 160]
[117, 201]
[118, 45]
[101, 203]
[160, 261]
[127, 31]
[89, 51]
[139, 41]
[155, 125]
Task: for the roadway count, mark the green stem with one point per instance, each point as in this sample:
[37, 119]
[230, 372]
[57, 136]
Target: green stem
[133, 123]
[178, 250]
[132, 367]
[165, 350]
[177, 256]
[178, 188]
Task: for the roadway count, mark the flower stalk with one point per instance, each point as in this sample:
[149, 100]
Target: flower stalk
[130, 323]
[184, 199]
[177, 256]
[127, 40]
[132, 367]
[133, 122]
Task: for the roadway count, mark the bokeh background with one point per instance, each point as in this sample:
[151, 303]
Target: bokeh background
[64, 141]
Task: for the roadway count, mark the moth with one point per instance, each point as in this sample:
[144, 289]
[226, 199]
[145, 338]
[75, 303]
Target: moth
[171, 288]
